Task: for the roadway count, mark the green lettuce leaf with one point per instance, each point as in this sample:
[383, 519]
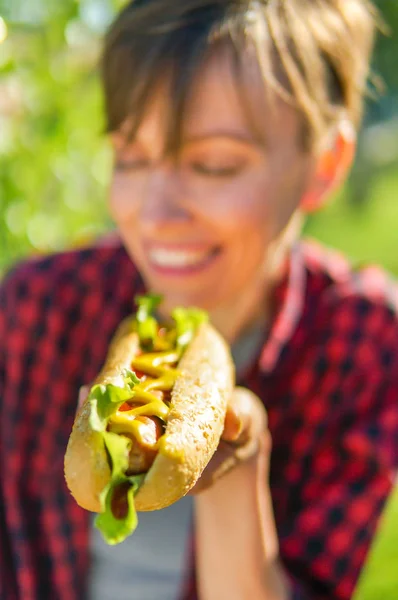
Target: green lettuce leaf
[114, 530]
[118, 447]
[187, 321]
[147, 325]
[105, 399]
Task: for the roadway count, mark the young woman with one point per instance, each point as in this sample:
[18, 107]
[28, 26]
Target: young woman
[229, 121]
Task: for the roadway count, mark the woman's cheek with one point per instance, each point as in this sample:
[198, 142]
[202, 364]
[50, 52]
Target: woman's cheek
[123, 198]
[229, 202]
[245, 210]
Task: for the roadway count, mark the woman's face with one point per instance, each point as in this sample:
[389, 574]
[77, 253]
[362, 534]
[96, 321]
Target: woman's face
[202, 226]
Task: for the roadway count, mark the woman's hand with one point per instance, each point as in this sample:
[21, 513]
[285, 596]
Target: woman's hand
[245, 435]
[237, 549]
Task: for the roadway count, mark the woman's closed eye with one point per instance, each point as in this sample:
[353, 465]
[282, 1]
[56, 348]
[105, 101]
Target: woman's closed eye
[130, 164]
[129, 156]
[206, 170]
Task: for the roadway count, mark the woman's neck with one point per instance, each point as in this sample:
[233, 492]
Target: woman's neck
[253, 306]
[234, 318]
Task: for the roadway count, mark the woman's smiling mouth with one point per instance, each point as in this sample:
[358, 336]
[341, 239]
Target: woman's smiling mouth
[180, 259]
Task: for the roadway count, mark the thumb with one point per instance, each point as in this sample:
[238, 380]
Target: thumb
[243, 408]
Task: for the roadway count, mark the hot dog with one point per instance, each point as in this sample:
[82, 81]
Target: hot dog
[152, 420]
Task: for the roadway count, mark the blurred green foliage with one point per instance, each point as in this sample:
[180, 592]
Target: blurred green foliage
[55, 163]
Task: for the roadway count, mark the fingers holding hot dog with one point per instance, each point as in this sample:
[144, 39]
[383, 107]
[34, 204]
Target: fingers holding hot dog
[245, 433]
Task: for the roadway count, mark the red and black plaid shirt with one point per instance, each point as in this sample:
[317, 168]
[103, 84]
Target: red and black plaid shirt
[328, 376]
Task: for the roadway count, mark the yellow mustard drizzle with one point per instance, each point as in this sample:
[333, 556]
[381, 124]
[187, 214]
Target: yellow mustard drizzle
[154, 363]
[159, 365]
[125, 423]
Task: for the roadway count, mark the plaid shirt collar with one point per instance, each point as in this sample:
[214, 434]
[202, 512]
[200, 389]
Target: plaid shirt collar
[289, 299]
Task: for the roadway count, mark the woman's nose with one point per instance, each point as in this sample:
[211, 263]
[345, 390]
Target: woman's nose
[163, 200]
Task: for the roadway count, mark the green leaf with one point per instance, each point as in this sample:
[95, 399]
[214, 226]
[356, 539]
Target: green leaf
[115, 530]
[105, 399]
[130, 378]
[147, 304]
[147, 325]
[187, 322]
[118, 447]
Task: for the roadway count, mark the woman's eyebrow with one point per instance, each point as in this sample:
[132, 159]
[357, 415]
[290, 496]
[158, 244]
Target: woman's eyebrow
[240, 137]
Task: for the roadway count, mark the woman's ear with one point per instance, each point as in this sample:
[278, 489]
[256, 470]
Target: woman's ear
[333, 165]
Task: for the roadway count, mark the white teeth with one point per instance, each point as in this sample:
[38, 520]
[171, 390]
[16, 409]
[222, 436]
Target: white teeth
[176, 258]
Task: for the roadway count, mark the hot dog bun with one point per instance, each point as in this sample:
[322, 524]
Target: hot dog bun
[194, 426]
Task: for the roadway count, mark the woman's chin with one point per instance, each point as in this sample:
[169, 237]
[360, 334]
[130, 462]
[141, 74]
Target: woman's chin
[187, 286]
[203, 298]
[172, 299]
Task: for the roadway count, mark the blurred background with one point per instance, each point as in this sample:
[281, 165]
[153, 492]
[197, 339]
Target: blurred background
[55, 164]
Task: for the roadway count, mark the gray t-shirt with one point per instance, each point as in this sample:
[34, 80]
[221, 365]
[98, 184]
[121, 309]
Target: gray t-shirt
[150, 565]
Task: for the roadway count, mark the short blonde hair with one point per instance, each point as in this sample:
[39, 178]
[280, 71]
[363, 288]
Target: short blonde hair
[314, 53]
